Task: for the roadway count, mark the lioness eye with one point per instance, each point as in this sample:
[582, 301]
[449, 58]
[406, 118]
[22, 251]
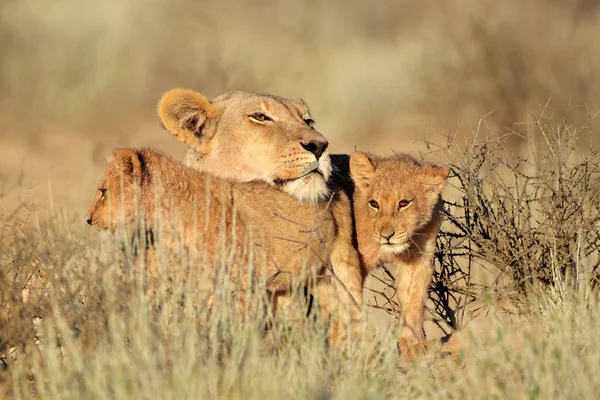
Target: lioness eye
[102, 192]
[309, 122]
[260, 117]
[403, 203]
[374, 204]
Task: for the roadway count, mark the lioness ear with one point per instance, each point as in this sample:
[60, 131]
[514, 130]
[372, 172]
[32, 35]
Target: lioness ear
[185, 113]
[361, 169]
[302, 103]
[128, 163]
[439, 177]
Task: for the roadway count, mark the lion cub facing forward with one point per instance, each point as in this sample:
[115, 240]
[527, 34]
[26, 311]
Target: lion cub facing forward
[397, 210]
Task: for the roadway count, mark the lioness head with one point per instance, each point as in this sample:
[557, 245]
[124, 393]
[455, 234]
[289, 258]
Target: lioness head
[114, 201]
[246, 136]
[394, 197]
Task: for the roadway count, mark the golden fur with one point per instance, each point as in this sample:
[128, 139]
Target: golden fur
[291, 240]
[226, 140]
[397, 211]
[247, 136]
[145, 189]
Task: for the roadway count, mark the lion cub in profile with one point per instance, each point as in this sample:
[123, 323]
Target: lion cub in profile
[398, 213]
[169, 200]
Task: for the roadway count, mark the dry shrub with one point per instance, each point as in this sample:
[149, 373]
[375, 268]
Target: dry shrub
[534, 217]
[530, 220]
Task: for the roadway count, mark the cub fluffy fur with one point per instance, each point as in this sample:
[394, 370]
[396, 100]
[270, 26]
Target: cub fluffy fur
[290, 240]
[148, 190]
[398, 213]
[247, 136]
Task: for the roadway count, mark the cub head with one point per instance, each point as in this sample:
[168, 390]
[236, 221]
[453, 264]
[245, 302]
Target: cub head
[246, 136]
[114, 203]
[394, 197]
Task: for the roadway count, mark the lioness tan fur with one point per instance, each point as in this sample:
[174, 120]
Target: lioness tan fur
[291, 240]
[397, 211]
[247, 136]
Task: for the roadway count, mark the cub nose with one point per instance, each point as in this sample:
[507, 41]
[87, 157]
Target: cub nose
[315, 147]
[387, 235]
[89, 221]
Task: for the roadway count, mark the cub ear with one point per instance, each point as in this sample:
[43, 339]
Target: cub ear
[127, 161]
[439, 177]
[362, 169]
[185, 113]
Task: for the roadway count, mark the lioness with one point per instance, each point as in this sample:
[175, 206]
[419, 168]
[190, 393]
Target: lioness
[291, 240]
[247, 136]
[397, 210]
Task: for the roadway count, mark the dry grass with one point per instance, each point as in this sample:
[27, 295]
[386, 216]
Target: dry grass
[517, 271]
[93, 326]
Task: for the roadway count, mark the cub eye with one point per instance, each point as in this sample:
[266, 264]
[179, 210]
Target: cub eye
[403, 204]
[374, 204]
[102, 192]
[260, 117]
[309, 122]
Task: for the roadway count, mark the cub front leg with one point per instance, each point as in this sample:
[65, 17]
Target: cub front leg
[412, 285]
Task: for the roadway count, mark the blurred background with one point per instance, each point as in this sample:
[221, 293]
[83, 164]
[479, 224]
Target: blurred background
[79, 77]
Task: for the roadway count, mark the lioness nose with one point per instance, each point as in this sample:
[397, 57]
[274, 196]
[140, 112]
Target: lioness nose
[387, 235]
[89, 221]
[315, 147]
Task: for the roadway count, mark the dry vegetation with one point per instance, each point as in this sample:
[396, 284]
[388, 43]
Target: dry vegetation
[79, 321]
[518, 262]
